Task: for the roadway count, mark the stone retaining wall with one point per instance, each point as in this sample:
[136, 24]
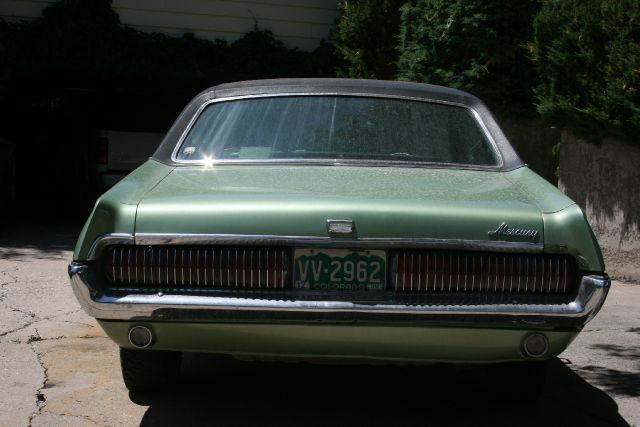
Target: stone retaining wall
[604, 180]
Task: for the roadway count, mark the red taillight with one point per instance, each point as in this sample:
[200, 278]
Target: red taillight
[415, 271]
[199, 266]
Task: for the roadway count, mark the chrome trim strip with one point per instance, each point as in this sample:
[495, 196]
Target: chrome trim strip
[101, 242]
[121, 264]
[378, 242]
[589, 299]
[235, 239]
[476, 115]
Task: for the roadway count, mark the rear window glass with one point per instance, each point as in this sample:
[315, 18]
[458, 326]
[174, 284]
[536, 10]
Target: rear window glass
[337, 128]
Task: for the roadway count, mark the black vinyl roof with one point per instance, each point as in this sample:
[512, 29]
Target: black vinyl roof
[347, 87]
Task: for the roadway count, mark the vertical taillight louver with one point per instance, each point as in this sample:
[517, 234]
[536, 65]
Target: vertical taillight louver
[429, 271]
[413, 271]
[198, 267]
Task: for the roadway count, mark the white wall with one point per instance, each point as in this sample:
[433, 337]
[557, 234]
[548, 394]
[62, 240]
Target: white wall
[297, 23]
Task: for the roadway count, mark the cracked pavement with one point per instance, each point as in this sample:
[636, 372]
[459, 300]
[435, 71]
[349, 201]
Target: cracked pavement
[59, 369]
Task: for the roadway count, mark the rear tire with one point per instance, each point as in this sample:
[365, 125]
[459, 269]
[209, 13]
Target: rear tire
[149, 370]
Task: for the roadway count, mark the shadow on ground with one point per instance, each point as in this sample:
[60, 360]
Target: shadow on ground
[222, 392]
[624, 383]
[24, 241]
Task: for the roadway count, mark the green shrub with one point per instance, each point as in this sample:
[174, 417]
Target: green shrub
[366, 38]
[474, 45]
[588, 58]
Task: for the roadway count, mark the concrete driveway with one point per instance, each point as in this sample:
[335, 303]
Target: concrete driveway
[58, 368]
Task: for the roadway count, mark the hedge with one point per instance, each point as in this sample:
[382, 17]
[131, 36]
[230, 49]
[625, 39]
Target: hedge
[588, 57]
[475, 45]
[365, 37]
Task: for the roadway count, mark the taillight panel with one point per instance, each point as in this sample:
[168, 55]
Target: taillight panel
[409, 271]
[432, 271]
[198, 266]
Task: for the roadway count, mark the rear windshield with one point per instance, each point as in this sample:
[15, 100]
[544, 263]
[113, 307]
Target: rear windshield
[339, 129]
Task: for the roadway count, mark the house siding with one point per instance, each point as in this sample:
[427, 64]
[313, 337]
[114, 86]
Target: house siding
[297, 23]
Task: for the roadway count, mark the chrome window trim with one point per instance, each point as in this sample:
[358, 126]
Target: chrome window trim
[476, 116]
[338, 242]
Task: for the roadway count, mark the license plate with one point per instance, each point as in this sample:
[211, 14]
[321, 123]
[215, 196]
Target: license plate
[339, 269]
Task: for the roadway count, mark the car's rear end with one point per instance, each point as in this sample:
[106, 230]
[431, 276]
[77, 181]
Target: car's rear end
[375, 288]
[401, 256]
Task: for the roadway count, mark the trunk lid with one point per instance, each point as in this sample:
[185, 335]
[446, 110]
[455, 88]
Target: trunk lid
[383, 202]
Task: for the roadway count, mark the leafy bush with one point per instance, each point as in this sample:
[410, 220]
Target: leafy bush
[588, 57]
[474, 45]
[366, 38]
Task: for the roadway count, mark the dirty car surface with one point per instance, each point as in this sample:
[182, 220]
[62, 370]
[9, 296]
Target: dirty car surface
[330, 219]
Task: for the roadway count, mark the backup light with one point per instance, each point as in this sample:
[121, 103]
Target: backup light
[140, 336]
[535, 345]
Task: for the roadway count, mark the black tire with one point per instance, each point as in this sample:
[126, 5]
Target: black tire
[149, 371]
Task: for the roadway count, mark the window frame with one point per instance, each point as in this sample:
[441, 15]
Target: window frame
[336, 162]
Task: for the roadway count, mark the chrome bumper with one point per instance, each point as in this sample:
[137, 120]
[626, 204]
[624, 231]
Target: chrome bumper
[143, 307]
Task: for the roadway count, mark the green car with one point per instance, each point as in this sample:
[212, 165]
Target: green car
[329, 219]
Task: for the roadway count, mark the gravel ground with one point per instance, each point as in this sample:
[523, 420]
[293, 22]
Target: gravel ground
[58, 368]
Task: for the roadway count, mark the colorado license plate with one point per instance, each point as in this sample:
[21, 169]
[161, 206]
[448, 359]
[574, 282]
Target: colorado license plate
[339, 269]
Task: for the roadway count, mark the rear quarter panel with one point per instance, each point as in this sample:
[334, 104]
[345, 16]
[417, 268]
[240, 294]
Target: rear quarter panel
[115, 210]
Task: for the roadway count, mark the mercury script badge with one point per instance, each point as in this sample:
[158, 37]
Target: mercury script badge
[504, 231]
